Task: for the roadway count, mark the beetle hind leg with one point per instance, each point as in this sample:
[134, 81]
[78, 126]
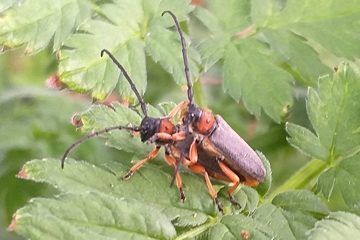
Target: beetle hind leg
[200, 169]
[234, 178]
[232, 198]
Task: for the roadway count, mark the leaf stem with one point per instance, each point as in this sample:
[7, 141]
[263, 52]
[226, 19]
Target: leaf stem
[301, 178]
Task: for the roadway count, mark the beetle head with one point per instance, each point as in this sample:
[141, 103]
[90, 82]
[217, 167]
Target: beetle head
[193, 114]
[148, 127]
[202, 120]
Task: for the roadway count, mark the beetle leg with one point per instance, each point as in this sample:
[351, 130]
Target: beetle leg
[165, 137]
[171, 161]
[208, 147]
[200, 169]
[178, 136]
[193, 154]
[234, 178]
[151, 155]
[175, 152]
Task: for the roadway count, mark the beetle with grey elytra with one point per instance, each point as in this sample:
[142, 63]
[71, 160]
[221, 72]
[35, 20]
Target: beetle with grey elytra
[211, 134]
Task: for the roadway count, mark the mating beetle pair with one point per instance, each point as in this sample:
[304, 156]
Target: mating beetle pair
[202, 141]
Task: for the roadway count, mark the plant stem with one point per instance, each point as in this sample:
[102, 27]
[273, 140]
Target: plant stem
[301, 178]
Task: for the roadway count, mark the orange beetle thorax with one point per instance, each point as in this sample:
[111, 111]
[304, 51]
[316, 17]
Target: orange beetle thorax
[166, 126]
[206, 123]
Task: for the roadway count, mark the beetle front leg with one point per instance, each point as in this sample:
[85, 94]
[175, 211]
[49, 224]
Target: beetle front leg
[171, 161]
[200, 169]
[167, 138]
[151, 155]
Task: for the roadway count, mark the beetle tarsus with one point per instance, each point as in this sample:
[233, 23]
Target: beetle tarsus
[218, 204]
[128, 175]
[233, 201]
[182, 195]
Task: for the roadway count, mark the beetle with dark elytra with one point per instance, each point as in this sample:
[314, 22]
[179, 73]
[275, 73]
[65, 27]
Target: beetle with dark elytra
[211, 146]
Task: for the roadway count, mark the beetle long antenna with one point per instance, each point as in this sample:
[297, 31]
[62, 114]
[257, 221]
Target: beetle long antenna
[94, 134]
[141, 100]
[189, 91]
[182, 155]
[185, 58]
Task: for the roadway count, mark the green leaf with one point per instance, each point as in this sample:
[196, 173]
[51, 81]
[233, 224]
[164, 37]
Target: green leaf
[264, 187]
[99, 117]
[91, 215]
[132, 30]
[233, 226]
[84, 69]
[244, 74]
[35, 23]
[210, 21]
[247, 197]
[5, 4]
[302, 177]
[252, 197]
[164, 46]
[291, 37]
[305, 141]
[231, 23]
[285, 42]
[338, 225]
[121, 27]
[332, 110]
[33, 125]
[329, 23]
[291, 213]
[148, 185]
[345, 177]
[165, 108]
[300, 200]
[212, 51]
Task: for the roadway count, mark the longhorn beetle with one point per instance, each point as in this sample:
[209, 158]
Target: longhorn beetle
[160, 130]
[211, 137]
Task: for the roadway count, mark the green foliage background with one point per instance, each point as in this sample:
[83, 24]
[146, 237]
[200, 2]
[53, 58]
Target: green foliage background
[274, 60]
